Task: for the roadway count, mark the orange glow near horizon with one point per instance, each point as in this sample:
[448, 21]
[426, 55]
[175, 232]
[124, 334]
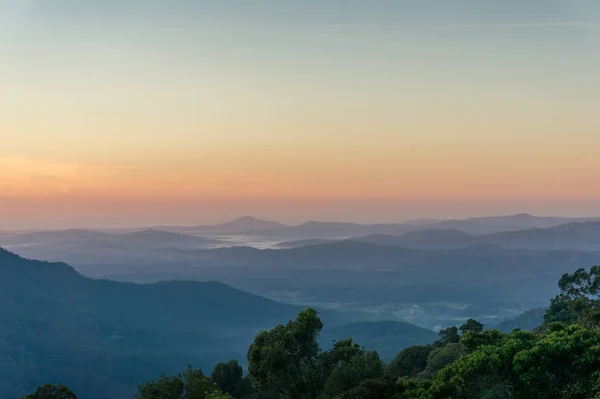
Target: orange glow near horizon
[411, 176]
[181, 113]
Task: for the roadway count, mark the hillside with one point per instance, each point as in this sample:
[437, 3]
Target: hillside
[152, 238]
[303, 243]
[147, 239]
[575, 236]
[52, 236]
[425, 239]
[75, 246]
[527, 321]
[552, 238]
[472, 226]
[246, 223]
[494, 224]
[102, 337]
[331, 230]
[371, 273]
[236, 226]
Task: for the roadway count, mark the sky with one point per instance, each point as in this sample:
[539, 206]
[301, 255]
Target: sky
[142, 112]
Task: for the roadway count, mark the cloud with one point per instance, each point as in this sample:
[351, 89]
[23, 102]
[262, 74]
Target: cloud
[526, 25]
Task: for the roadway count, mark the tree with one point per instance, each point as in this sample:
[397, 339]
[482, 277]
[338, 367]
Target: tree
[162, 388]
[448, 336]
[229, 378]
[472, 340]
[191, 384]
[578, 300]
[375, 388]
[285, 359]
[485, 373]
[409, 362]
[471, 325]
[440, 358]
[218, 395]
[581, 284]
[52, 392]
[342, 351]
[563, 363]
[560, 363]
[349, 373]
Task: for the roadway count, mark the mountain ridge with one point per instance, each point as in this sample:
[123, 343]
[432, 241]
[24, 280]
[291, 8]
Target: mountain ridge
[573, 235]
[69, 323]
[473, 226]
[238, 225]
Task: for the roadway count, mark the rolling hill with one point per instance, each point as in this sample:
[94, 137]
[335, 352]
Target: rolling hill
[577, 236]
[329, 271]
[81, 245]
[153, 238]
[236, 226]
[583, 236]
[473, 226]
[304, 243]
[426, 239]
[102, 338]
[52, 236]
[150, 238]
[495, 224]
[526, 321]
[314, 229]
[574, 235]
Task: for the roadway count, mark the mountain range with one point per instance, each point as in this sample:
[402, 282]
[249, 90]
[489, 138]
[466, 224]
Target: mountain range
[252, 226]
[453, 264]
[102, 338]
[150, 238]
[573, 235]
[239, 225]
[80, 246]
[475, 226]
[315, 230]
[494, 224]
[425, 287]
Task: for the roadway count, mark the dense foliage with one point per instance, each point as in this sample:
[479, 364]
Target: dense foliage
[192, 384]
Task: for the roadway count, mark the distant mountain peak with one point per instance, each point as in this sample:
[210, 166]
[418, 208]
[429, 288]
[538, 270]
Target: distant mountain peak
[246, 219]
[310, 223]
